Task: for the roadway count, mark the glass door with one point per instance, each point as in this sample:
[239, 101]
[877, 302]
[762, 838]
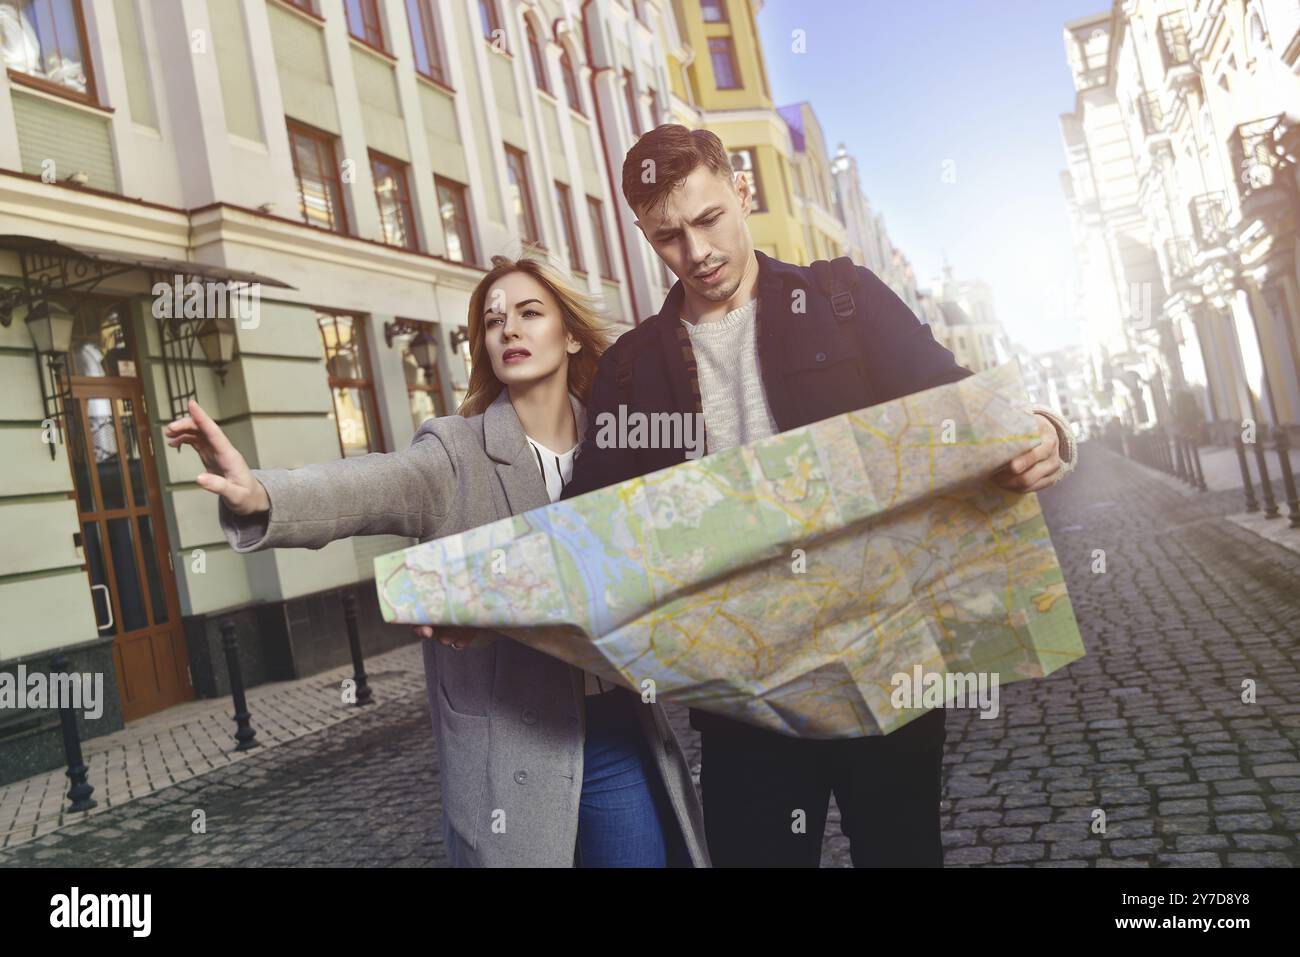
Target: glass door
[123, 534]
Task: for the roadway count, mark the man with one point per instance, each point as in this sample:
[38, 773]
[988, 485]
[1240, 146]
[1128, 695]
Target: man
[753, 344]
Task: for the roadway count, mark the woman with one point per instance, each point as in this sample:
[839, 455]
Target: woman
[542, 764]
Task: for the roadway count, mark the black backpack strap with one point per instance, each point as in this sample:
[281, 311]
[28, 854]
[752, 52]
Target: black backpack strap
[837, 279]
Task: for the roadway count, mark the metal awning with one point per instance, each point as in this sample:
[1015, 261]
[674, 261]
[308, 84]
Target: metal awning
[52, 270]
[95, 264]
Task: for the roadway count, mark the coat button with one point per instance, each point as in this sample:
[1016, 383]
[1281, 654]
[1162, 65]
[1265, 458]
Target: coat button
[521, 777]
[530, 716]
[821, 357]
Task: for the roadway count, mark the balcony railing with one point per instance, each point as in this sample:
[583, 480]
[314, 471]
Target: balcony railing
[1150, 114]
[1209, 219]
[1258, 154]
[1174, 49]
[1180, 257]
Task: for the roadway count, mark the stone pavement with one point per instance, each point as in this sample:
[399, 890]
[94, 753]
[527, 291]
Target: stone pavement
[195, 738]
[1148, 728]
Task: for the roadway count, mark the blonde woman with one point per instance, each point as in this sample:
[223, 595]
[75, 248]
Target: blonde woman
[541, 763]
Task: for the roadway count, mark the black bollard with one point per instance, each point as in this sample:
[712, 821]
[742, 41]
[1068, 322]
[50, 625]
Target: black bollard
[244, 732]
[1180, 463]
[1251, 504]
[81, 790]
[1282, 444]
[364, 695]
[1198, 470]
[1265, 483]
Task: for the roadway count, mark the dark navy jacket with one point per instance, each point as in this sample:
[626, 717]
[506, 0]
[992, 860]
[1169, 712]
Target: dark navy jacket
[810, 364]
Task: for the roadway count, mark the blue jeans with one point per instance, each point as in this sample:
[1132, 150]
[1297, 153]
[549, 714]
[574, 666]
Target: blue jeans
[621, 814]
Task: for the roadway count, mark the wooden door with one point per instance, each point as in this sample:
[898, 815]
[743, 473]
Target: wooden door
[124, 539]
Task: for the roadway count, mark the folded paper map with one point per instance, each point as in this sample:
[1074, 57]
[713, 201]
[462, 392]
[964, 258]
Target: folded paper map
[789, 582]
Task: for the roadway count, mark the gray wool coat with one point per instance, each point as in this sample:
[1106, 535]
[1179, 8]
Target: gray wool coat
[509, 721]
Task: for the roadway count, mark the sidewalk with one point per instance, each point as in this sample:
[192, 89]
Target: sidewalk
[1222, 473]
[194, 738]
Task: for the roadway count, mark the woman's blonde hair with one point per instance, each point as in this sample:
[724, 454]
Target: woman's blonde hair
[578, 313]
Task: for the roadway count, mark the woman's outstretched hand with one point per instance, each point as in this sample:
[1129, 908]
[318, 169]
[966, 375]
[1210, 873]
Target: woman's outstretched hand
[227, 473]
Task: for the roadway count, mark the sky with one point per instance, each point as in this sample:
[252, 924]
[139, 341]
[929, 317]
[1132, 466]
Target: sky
[914, 88]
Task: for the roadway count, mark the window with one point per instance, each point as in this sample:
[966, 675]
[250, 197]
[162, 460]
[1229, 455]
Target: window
[629, 88]
[535, 54]
[320, 193]
[570, 81]
[453, 208]
[348, 365]
[597, 215]
[363, 21]
[713, 11]
[424, 39]
[725, 75]
[570, 229]
[395, 215]
[521, 196]
[742, 161]
[423, 386]
[308, 5]
[46, 40]
[487, 14]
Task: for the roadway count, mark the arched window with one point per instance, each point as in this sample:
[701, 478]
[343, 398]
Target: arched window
[539, 64]
[570, 81]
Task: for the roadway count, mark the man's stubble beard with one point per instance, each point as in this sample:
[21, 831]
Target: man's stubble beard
[721, 294]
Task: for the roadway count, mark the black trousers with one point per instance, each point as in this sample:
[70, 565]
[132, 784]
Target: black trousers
[766, 795]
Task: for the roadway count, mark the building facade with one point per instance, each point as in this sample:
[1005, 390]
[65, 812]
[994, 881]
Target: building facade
[1182, 190]
[824, 232]
[278, 208]
[867, 239]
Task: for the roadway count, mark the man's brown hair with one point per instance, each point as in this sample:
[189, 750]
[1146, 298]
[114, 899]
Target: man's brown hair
[664, 157]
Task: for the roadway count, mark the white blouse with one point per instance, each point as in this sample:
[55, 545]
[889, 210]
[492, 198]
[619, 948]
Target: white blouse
[557, 469]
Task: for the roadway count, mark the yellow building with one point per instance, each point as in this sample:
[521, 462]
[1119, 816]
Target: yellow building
[724, 83]
[825, 236]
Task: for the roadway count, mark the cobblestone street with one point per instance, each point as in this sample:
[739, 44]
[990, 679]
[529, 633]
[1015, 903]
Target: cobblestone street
[1149, 727]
